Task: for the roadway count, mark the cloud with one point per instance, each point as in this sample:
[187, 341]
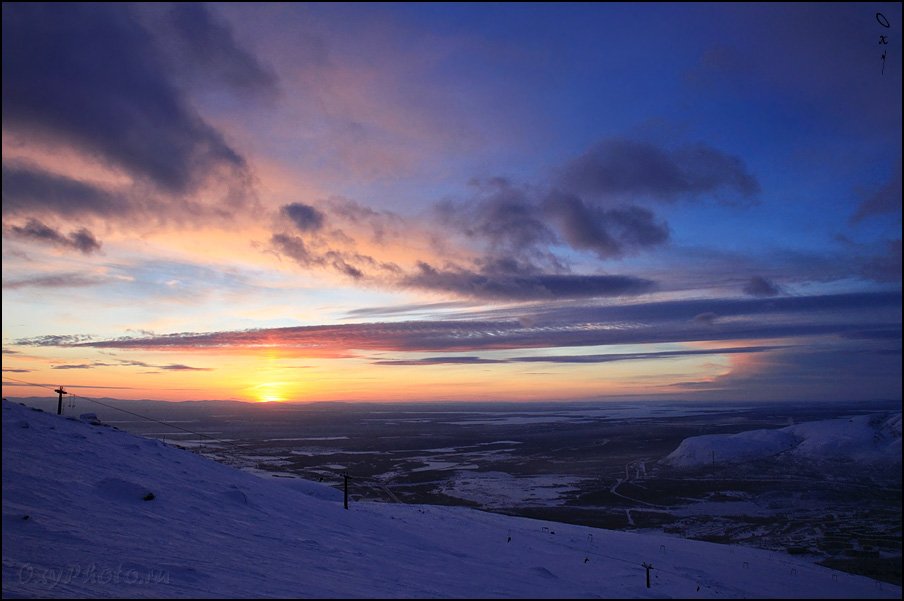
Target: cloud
[381, 225]
[708, 318]
[884, 267]
[592, 204]
[599, 358]
[887, 199]
[181, 367]
[351, 264]
[30, 189]
[57, 280]
[100, 364]
[760, 286]
[555, 325]
[207, 49]
[81, 240]
[295, 248]
[524, 224]
[17, 371]
[93, 76]
[409, 308]
[59, 340]
[608, 358]
[305, 217]
[801, 373]
[499, 285]
[621, 168]
[503, 215]
[339, 262]
[607, 232]
[877, 334]
[440, 361]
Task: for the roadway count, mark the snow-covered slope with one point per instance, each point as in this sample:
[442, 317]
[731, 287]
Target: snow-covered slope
[76, 524]
[865, 439]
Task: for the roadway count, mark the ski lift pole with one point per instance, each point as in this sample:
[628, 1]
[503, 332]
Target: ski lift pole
[648, 568]
[60, 392]
[345, 500]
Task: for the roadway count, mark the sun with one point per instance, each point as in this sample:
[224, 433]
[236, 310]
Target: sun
[269, 392]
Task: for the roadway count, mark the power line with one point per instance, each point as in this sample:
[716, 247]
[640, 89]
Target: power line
[132, 413]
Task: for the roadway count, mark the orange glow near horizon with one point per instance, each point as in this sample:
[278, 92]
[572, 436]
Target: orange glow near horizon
[274, 376]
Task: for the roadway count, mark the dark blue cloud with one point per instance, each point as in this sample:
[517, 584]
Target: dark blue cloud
[305, 217]
[295, 248]
[883, 306]
[93, 76]
[207, 49]
[505, 216]
[630, 169]
[524, 224]
[760, 286]
[607, 232]
[523, 285]
[351, 264]
[28, 189]
[81, 240]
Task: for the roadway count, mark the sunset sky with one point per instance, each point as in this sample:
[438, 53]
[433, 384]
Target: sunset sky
[452, 202]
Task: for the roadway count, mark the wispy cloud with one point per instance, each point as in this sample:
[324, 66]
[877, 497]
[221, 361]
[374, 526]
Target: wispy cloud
[408, 308]
[520, 284]
[597, 358]
[439, 361]
[81, 240]
[125, 363]
[550, 326]
[58, 280]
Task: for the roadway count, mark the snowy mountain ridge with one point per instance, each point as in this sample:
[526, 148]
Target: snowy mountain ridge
[90, 511]
[863, 439]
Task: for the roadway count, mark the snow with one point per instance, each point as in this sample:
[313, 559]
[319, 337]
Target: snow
[499, 489]
[866, 439]
[76, 524]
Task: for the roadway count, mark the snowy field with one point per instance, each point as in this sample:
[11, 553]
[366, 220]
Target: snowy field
[89, 511]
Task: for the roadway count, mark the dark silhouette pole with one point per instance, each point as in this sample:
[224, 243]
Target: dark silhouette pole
[648, 567]
[346, 490]
[61, 392]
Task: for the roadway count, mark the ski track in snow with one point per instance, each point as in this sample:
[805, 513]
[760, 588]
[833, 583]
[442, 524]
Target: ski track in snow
[215, 531]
